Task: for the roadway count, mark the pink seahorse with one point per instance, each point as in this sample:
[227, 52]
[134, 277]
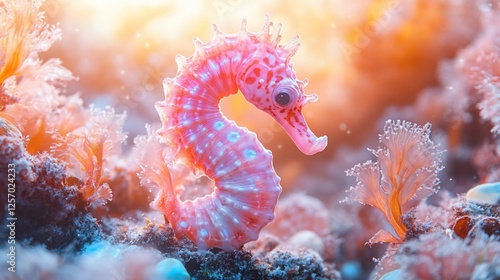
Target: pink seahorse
[246, 185]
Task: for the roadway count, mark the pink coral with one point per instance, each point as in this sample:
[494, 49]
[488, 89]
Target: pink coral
[23, 33]
[30, 88]
[405, 172]
[88, 151]
[155, 172]
[298, 212]
[434, 256]
[480, 65]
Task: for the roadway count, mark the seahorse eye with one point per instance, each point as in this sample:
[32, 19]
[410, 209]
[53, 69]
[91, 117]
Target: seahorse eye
[284, 95]
[282, 98]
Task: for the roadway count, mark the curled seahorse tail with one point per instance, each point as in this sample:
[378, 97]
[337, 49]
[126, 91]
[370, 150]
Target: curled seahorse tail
[220, 221]
[243, 199]
[246, 191]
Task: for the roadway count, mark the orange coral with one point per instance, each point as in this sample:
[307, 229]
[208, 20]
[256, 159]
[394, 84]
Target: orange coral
[29, 88]
[404, 174]
[16, 20]
[154, 164]
[23, 33]
[31, 103]
[88, 151]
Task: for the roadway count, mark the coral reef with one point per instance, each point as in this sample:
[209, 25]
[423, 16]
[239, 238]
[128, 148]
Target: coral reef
[83, 171]
[298, 212]
[216, 263]
[61, 222]
[435, 261]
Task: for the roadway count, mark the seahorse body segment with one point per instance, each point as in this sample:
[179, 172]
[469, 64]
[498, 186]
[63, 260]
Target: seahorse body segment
[246, 185]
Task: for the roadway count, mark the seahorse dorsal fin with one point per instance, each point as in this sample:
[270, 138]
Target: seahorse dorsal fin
[292, 46]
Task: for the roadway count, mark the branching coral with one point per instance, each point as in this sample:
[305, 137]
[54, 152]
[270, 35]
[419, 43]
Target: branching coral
[21, 30]
[299, 212]
[29, 88]
[478, 66]
[32, 111]
[23, 34]
[155, 172]
[479, 63]
[434, 256]
[461, 240]
[405, 173]
[89, 151]
[32, 103]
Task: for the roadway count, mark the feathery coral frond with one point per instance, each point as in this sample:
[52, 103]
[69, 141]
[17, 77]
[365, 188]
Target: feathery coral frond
[405, 172]
[155, 172]
[29, 87]
[23, 33]
[88, 150]
[479, 64]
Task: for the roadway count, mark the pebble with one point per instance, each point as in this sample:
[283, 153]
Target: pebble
[485, 194]
[396, 274]
[170, 269]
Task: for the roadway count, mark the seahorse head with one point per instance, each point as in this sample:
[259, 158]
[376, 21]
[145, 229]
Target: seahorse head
[267, 80]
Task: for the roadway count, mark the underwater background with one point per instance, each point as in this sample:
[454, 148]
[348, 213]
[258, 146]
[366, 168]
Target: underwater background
[407, 188]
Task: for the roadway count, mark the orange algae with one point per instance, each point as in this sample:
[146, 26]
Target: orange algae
[17, 19]
[30, 88]
[405, 173]
[32, 104]
[89, 152]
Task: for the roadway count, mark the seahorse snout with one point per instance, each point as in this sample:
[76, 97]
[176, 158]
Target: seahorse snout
[300, 133]
[318, 146]
[312, 145]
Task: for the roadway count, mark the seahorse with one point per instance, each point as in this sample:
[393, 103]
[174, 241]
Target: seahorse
[246, 187]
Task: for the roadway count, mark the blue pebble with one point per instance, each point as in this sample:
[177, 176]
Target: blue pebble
[351, 270]
[485, 194]
[104, 249]
[171, 269]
